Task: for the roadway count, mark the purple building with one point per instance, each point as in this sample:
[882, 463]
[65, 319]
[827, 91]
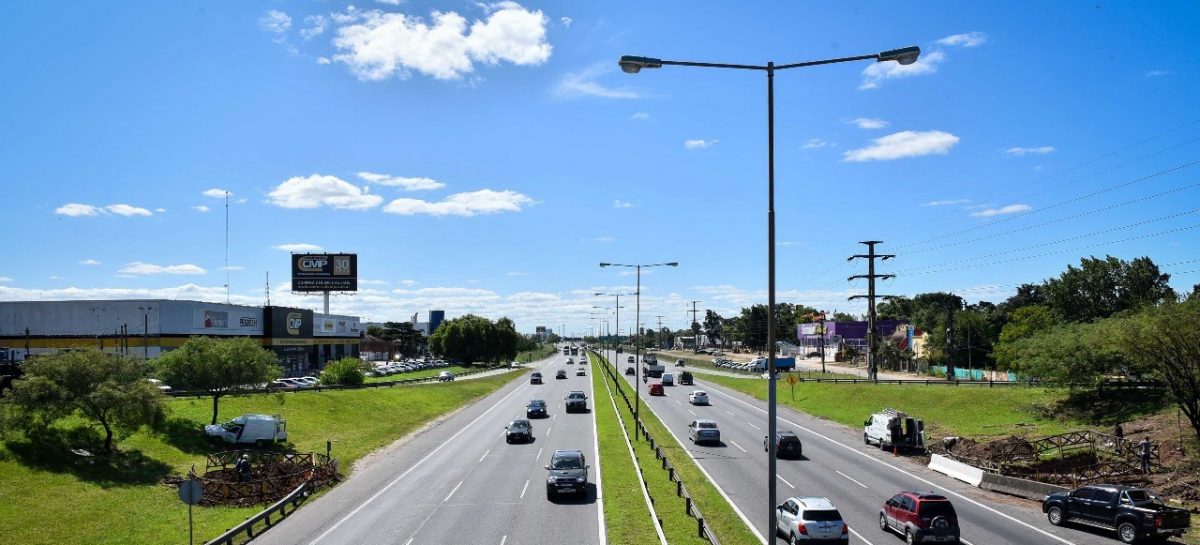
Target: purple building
[839, 334]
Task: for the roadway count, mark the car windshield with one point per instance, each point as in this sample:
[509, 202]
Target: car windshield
[537, 403]
[576, 396]
[699, 394]
[707, 425]
[821, 515]
[567, 463]
[789, 439]
[519, 424]
[936, 509]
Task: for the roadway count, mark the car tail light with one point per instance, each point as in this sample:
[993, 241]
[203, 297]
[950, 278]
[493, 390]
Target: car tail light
[925, 522]
[1158, 521]
[845, 529]
[802, 529]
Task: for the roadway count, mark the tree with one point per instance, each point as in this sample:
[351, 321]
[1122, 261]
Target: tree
[1027, 294]
[843, 317]
[713, 327]
[108, 389]
[696, 333]
[218, 367]
[344, 372]
[1073, 354]
[472, 338]
[1163, 340]
[1025, 322]
[1100, 288]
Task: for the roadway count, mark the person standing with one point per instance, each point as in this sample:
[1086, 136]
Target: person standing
[1144, 452]
[242, 468]
[1119, 437]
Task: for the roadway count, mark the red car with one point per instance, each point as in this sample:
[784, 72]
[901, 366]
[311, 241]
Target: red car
[920, 518]
[656, 389]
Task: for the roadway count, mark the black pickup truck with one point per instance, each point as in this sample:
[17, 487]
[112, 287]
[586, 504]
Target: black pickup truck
[1136, 514]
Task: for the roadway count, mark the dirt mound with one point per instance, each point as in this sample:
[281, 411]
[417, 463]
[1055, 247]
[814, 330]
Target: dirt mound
[1001, 450]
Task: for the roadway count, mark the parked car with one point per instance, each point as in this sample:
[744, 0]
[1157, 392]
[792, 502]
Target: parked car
[575, 401]
[656, 389]
[920, 517]
[568, 473]
[704, 430]
[630, 371]
[804, 520]
[1135, 514]
[518, 430]
[445, 376]
[284, 384]
[535, 378]
[787, 445]
[561, 373]
[256, 429]
[685, 379]
[309, 382]
[698, 397]
[536, 409]
[668, 379]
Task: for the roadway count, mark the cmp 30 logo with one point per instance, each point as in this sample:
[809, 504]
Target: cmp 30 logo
[341, 265]
[294, 321]
[310, 263]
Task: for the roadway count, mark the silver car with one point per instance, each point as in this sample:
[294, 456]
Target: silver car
[704, 430]
[811, 519]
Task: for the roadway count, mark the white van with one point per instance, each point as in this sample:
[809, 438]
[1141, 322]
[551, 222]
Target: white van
[257, 429]
[893, 429]
[668, 379]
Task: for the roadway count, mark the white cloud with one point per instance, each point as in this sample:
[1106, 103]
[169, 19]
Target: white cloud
[815, 143]
[139, 268]
[904, 144]
[869, 123]
[216, 193]
[391, 2]
[566, 21]
[408, 184]
[516, 273]
[127, 210]
[947, 202]
[233, 268]
[318, 189]
[378, 45]
[372, 282]
[317, 25]
[484, 201]
[622, 204]
[640, 115]
[200, 208]
[298, 247]
[875, 73]
[970, 39]
[1010, 209]
[602, 240]
[54, 277]
[160, 210]
[699, 144]
[275, 21]
[583, 83]
[76, 210]
[409, 282]
[5, 279]
[1041, 150]
[324, 60]
[89, 262]
[1157, 73]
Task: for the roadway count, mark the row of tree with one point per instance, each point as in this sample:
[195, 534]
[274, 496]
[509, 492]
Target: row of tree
[473, 339]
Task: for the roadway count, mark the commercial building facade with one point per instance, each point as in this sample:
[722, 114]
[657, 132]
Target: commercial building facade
[303, 340]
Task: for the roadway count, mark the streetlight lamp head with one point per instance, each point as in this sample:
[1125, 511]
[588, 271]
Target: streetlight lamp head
[604, 265]
[673, 264]
[631, 64]
[904, 55]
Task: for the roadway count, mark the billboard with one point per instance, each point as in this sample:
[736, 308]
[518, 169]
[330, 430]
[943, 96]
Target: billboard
[324, 272]
[283, 323]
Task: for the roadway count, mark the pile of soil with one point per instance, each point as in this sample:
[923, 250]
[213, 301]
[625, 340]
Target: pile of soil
[1001, 450]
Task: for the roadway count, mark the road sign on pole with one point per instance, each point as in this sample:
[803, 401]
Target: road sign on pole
[190, 493]
[792, 379]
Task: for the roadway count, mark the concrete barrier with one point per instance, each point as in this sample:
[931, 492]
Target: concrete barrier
[1016, 486]
[963, 472]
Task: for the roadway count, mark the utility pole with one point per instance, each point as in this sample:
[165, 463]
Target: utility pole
[870, 256]
[694, 332]
[659, 332]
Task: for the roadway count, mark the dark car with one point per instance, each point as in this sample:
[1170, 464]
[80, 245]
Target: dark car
[535, 378]
[920, 517]
[561, 373]
[568, 474]
[656, 389]
[685, 379]
[787, 445]
[630, 371]
[519, 430]
[1135, 514]
[536, 409]
[575, 401]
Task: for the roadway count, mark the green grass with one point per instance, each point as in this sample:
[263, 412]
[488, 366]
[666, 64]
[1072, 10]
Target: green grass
[969, 411]
[626, 517]
[717, 512]
[47, 497]
[542, 352]
[423, 373]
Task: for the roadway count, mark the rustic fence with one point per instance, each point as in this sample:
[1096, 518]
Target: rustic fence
[1112, 458]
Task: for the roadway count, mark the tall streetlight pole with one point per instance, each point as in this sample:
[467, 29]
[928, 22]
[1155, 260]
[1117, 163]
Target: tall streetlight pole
[637, 350]
[634, 64]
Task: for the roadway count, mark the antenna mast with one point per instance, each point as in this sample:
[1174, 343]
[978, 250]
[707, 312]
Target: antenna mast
[268, 288]
[226, 246]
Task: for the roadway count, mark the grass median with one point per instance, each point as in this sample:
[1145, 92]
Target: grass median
[677, 525]
[50, 496]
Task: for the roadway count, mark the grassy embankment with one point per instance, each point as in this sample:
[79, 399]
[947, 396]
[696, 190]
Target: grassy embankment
[423, 373]
[49, 495]
[541, 352]
[717, 512]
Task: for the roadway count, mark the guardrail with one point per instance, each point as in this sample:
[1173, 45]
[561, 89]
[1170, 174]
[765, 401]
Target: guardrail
[382, 384]
[295, 498]
[702, 528]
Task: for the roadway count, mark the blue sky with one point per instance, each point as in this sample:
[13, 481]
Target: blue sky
[485, 158]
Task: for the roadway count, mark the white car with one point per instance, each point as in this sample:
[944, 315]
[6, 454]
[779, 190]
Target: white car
[159, 384]
[309, 381]
[806, 519]
[698, 397]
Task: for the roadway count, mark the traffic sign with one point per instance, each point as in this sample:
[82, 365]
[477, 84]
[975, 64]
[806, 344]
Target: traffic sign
[792, 379]
[190, 491]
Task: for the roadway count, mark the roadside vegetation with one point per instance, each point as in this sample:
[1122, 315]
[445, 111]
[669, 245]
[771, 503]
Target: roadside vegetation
[421, 373]
[541, 352]
[51, 495]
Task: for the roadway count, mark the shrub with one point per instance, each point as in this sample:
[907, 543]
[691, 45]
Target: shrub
[345, 372]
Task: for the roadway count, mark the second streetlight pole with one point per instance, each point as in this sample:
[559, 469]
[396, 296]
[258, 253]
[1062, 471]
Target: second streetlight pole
[772, 500]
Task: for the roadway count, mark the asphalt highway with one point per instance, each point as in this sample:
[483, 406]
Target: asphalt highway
[857, 478]
[459, 482]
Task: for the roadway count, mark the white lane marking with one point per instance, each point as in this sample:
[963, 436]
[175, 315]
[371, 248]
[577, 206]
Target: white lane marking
[864, 540]
[539, 456]
[410, 540]
[489, 451]
[753, 426]
[964, 542]
[693, 414]
[554, 417]
[393, 482]
[547, 432]
[603, 530]
[730, 413]
[523, 489]
[456, 490]
[908, 474]
[784, 480]
[677, 402]
[503, 539]
[852, 480]
[738, 446]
